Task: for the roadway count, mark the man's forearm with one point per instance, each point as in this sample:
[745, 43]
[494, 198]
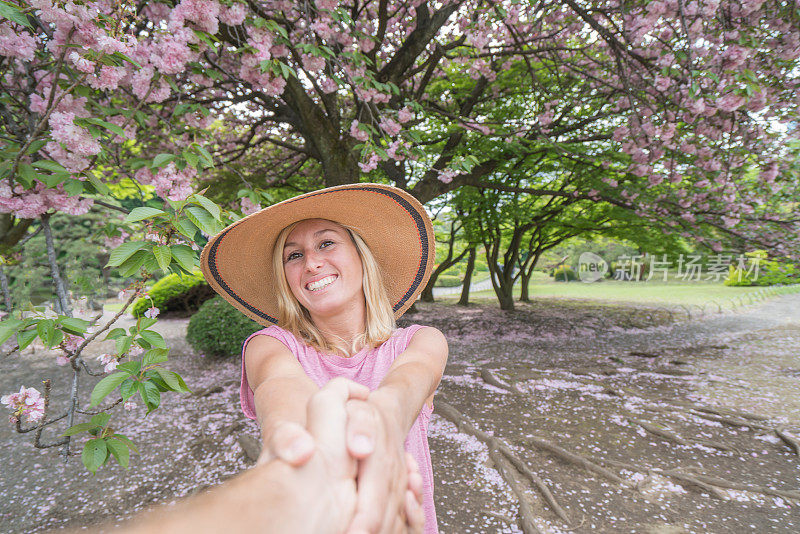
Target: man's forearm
[265, 495]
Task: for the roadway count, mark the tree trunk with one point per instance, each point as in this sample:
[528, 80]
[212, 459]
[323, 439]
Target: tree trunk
[61, 291]
[525, 278]
[506, 298]
[464, 300]
[6, 290]
[525, 275]
[427, 293]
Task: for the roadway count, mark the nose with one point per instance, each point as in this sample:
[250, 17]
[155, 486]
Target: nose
[314, 261]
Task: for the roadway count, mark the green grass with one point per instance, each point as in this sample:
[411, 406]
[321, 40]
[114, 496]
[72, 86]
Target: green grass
[113, 306]
[674, 291]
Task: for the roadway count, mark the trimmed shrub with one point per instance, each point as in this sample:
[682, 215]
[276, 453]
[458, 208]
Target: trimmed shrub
[219, 329]
[564, 274]
[175, 294]
[448, 280]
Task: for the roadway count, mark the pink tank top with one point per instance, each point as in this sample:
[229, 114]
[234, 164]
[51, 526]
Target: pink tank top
[367, 367]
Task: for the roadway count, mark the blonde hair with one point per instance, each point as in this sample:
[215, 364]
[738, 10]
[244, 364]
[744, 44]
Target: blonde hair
[292, 316]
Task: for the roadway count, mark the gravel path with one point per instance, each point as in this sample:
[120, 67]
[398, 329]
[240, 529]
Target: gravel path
[577, 374]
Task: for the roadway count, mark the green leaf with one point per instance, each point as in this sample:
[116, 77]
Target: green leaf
[53, 180]
[146, 322]
[26, 174]
[128, 388]
[210, 207]
[73, 187]
[150, 395]
[73, 325]
[132, 368]
[25, 338]
[95, 454]
[48, 165]
[183, 385]
[171, 379]
[114, 334]
[141, 213]
[162, 159]
[101, 419]
[190, 157]
[185, 227]
[13, 14]
[184, 256]
[131, 266]
[106, 386]
[77, 429]
[163, 256]
[206, 155]
[8, 328]
[125, 251]
[36, 146]
[126, 441]
[99, 186]
[154, 356]
[154, 338]
[107, 125]
[123, 344]
[128, 59]
[120, 451]
[48, 334]
[202, 219]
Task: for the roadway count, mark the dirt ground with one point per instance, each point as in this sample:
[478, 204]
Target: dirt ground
[633, 418]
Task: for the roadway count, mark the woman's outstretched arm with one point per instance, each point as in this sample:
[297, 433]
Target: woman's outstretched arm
[281, 390]
[388, 414]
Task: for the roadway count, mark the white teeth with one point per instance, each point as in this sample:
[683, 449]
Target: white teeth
[319, 284]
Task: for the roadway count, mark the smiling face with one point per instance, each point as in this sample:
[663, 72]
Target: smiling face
[323, 268]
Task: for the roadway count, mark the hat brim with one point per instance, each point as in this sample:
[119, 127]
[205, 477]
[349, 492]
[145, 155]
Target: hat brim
[237, 262]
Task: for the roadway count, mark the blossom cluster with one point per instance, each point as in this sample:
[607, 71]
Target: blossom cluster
[28, 402]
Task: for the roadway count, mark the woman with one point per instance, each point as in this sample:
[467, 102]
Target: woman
[333, 269]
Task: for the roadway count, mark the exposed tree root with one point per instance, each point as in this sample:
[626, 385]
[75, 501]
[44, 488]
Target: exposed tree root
[708, 483]
[665, 433]
[214, 389]
[730, 421]
[576, 459]
[791, 441]
[527, 517]
[643, 354]
[490, 378]
[250, 446]
[499, 449]
[728, 484]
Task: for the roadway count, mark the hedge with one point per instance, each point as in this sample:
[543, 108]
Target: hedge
[175, 294]
[219, 329]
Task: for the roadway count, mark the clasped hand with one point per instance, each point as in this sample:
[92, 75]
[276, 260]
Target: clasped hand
[351, 447]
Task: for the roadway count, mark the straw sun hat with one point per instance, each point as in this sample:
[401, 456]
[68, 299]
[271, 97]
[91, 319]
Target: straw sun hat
[237, 262]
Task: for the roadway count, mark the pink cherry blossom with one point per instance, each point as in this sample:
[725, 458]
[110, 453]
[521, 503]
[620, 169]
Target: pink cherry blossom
[232, 15]
[405, 115]
[357, 133]
[109, 362]
[28, 402]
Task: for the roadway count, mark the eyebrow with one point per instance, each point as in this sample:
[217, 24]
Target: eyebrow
[293, 244]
